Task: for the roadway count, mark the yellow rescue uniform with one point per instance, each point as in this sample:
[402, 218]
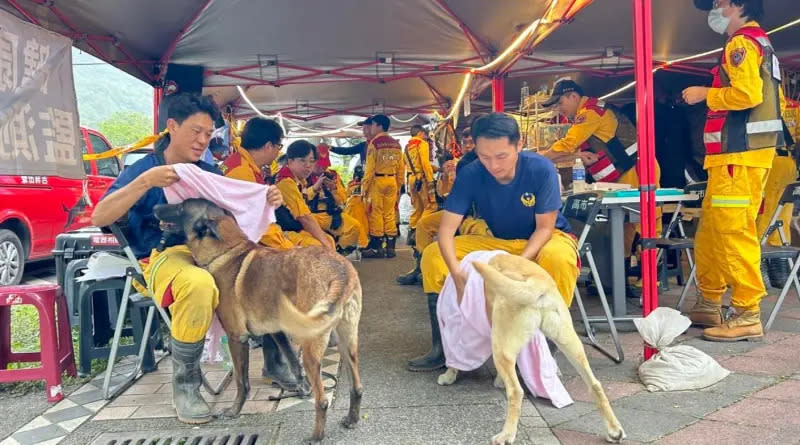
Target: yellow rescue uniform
[295, 201]
[419, 171]
[589, 122]
[727, 246]
[383, 176]
[559, 257]
[241, 165]
[356, 209]
[782, 173]
[349, 231]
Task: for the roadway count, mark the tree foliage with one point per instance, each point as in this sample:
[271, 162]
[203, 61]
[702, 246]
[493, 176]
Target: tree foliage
[126, 127]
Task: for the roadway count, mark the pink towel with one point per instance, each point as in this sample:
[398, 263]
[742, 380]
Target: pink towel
[467, 342]
[246, 200]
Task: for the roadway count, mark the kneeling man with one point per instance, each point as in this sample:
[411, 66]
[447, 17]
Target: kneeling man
[517, 194]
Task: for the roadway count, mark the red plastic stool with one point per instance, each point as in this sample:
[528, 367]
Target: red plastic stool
[56, 354]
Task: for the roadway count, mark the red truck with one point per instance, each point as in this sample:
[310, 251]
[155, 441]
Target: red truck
[35, 209]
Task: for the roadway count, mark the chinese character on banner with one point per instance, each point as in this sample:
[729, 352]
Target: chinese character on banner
[15, 140]
[23, 179]
[35, 55]
[8, 60]
[59, 135]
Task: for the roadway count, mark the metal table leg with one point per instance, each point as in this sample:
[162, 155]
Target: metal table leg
[616, 219]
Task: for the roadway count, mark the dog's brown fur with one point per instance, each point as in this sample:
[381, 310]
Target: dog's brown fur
[521, 297]
[304, 292]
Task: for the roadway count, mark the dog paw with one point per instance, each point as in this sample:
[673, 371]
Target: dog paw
[617, 436]
[498, 382]
[313, 440]
[448, 377]
[349, 423]
[504, 438]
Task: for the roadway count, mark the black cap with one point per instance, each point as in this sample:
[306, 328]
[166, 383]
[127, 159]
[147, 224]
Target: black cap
[561, 88]
[704, 5]
[366, 121]
[381, 120]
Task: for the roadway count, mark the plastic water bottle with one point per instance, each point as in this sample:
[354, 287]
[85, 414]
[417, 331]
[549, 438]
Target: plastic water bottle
[578, 176]
[227, 362]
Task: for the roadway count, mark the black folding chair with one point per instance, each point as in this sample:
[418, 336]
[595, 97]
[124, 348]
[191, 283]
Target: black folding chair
[584, 208]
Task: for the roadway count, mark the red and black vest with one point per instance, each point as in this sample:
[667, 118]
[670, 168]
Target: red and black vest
[619, 154]
[729, 131]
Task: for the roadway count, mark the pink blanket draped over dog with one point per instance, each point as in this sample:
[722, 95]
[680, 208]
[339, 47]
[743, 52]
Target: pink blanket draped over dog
[467, 342]
[246, 200]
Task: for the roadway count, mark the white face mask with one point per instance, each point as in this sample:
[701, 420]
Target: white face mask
[717, 21]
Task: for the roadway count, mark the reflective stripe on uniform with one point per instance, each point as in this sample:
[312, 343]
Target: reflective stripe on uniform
[730, 201]
[602, 174]
[632, 149]
[712, 137]
[764, 126]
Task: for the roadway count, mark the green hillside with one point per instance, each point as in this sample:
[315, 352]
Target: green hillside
[103, 90]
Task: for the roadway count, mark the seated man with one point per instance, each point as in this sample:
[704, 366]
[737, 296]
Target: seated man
[261, 143]
[428, 225]
[517, 194]
[296, 218]
[175, 281]
[326, 200]
[355, 205]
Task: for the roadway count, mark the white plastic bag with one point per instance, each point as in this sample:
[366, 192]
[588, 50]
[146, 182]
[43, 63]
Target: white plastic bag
[215, 349]
[674, 368]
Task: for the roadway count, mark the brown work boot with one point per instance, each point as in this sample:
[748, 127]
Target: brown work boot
[745, 325]
[706, 313]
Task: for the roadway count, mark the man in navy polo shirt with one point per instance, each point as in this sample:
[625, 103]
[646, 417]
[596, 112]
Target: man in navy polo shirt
[175, 281]
[517, 194]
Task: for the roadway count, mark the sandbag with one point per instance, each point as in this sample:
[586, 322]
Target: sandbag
[674, 368]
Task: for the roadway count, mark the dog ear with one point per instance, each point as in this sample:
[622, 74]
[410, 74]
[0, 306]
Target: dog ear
[206, 227]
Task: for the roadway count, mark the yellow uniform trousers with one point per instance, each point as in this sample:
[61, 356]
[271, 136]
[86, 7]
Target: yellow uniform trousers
[356, 209]
[275, 238]
[559, 257]
[304, 239]
[422, 204]
[727, 248]
[348, 231]
[782, 173]
[428, 227]
[630, 230]
[382, 196]
[193, 296]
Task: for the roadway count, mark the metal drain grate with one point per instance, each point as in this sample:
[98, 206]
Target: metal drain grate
[187, 437]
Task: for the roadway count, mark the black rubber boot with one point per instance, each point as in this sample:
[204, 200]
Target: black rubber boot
[186, 381]
[276, 368]
[414, 276]
[391, 241]
[778, 272]
[435, 359]
[374, 248]
[411, 239]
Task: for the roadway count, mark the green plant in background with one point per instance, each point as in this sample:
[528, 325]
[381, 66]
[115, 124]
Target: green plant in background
[126, 127]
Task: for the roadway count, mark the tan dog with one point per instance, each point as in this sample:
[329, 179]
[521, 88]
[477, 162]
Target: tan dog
[520, 298]
[303, 292]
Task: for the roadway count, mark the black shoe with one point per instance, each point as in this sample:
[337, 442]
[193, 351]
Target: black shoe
[276, 368]
[414, 276]
[374, 248]
[411, 239]
[390, 246]
[186, 381]
[435, 358]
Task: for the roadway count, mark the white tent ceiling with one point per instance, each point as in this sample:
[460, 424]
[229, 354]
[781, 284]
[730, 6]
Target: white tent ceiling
[319, 60]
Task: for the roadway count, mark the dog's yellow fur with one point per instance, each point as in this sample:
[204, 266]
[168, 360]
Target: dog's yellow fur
[520, 298]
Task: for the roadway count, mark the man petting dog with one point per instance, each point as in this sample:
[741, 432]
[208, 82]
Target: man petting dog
[517, 194]
[175, 281]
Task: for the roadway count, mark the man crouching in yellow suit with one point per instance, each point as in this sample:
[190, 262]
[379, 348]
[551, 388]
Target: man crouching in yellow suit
[517, 194]
[355, 205]
[261, 144]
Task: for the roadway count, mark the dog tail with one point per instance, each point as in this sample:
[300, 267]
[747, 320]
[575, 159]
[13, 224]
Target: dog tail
[508, 289]
[319, 319]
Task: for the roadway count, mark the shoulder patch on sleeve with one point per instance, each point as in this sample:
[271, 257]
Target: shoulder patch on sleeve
[738, 55]
[581, 118]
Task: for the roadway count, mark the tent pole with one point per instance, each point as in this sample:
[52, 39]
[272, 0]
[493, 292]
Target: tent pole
[643, 43]
[156, 104]
[498, 93]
